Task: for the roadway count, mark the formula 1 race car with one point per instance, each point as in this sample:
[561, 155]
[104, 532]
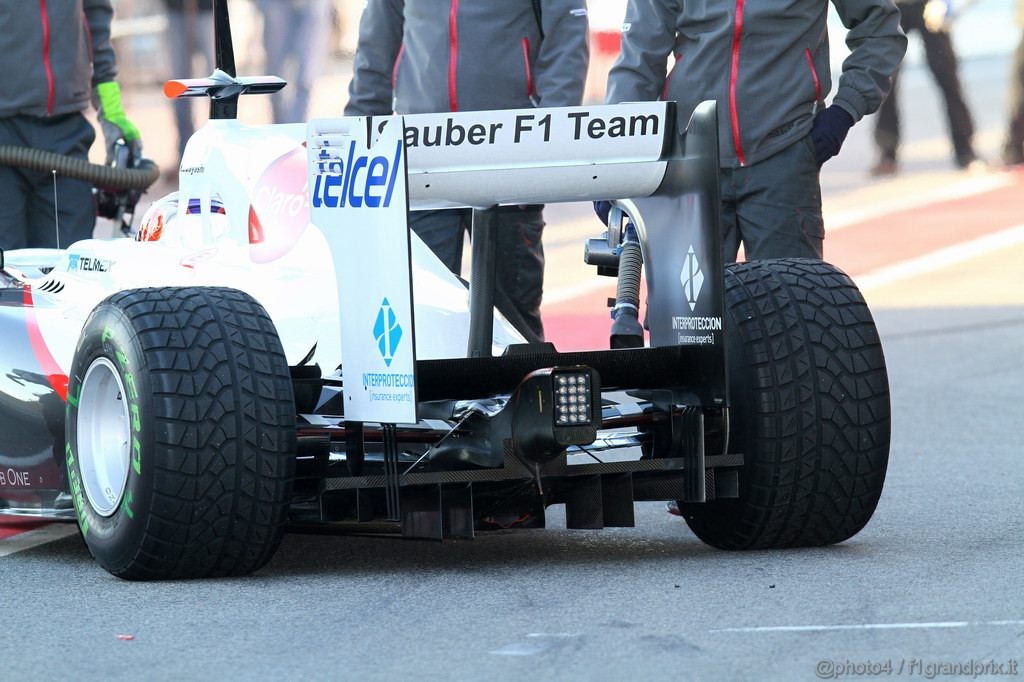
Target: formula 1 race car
[275, 349]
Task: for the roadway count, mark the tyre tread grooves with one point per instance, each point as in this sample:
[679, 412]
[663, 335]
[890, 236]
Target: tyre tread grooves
[225, 432]
[820, 411]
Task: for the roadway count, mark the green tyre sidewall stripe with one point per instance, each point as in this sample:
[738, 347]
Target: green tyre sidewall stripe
[115, 540]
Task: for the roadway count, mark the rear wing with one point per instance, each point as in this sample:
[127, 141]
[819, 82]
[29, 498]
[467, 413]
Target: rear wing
[665, 177]
[480, 159]
[660, 164]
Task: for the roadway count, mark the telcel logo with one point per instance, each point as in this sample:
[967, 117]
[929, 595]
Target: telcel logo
[359, 181]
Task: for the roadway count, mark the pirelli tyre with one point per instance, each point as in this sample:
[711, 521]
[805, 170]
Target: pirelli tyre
[810, 409]
[180, 434]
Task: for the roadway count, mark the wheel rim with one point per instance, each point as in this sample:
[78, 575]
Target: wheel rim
[104, 432]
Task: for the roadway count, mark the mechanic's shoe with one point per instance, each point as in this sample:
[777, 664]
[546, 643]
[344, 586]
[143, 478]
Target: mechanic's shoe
[884, 168]
[1013, 155]
[971, 163]
[977, 167]
[673, 508]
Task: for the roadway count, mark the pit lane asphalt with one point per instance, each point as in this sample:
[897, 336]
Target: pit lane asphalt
[944, 547]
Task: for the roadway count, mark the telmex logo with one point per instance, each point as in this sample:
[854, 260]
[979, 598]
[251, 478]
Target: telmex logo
[359, 181]
[86, 264]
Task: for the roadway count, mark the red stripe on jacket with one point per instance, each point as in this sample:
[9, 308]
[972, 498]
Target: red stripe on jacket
[814, 74]
[531, 91]
[733, 77]
[453, 54]
[394, 69]
[46, 58]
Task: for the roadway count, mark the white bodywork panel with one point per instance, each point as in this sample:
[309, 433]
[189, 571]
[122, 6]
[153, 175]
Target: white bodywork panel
[264, 243]
[365, 201]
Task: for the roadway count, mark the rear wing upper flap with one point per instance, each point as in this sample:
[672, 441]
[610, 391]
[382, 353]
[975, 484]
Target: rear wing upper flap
[223, 86]
[220, 85]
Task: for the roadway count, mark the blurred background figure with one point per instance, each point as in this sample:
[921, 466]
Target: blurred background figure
[931, 19]
[189, 35]
[1013, 146]
[295, 34]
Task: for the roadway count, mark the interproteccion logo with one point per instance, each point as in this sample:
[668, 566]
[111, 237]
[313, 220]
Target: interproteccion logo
[692, 278]
[387, 331]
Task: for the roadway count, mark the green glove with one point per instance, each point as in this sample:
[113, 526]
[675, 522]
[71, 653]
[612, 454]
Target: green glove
[113, 120]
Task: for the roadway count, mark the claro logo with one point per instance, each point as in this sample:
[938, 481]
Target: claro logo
[358, 181]
[279, 212]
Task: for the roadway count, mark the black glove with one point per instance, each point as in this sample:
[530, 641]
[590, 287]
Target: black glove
[829, 131]
[602, 209]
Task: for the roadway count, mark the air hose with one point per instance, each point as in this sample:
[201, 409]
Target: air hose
[107, 177]
[627, 331]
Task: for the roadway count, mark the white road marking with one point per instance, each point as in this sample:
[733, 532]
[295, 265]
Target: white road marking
[521, 649]
[874, 626]
[936, 260]
[939, 194]
[541, 642]
[833, 221]
[36, 537]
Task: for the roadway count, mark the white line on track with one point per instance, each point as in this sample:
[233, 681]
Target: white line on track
[838, 221]
[939, 194]
[875, 626]
[36, 537]
[538, 643]
[945, 257]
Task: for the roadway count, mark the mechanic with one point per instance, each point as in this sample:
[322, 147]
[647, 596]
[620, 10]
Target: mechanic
[931, 19]
[55, 56]
[189, 34]
[295, 37]
[767, 66]
[413, 58]
[1013, 145]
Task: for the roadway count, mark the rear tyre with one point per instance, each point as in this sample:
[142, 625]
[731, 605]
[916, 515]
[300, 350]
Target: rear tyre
[810, 409]
[180, 434]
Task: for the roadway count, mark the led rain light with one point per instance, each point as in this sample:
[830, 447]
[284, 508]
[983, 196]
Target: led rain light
[573, 399]
[554, 408]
